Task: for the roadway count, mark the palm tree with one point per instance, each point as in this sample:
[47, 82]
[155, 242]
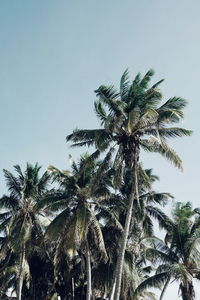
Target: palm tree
[131, 120]
[140, 227]
[179, 255]
[21, 224]
[79, 191]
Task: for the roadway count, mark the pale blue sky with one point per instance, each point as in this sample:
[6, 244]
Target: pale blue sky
[55, 53]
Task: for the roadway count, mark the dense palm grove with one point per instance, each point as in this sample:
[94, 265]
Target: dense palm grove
[88, 232]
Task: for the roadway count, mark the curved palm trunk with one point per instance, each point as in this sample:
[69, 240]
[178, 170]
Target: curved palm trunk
[133, 196]
[164, 289]
[89, 275]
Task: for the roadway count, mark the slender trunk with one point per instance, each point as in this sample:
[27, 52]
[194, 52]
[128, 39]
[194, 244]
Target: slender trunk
[89, 276]
[73, 296]
[134, 195]
[19, 288]
[164, 289]
[20, 276]
[113, 289]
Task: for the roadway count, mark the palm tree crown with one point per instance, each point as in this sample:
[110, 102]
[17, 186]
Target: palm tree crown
[132, 116]
[178, 256]
[21, 223]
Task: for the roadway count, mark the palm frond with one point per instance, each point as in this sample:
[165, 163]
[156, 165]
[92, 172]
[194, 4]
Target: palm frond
[171, 132]
[50, 198]
[163, 220]
[158, 198]
[146, 79]
[82, 222]
[154, 145]
[109, 216]
[43, 182]
[155, 281]
[85, 135]
[7, 202]
[58, 224]
[124, 85]
[157, 83]
[148, 226]
[98, 236]
[12, 183]
[100, 111]
[20, 174]
[172, 110]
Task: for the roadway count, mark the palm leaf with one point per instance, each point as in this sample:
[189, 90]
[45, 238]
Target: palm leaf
[146, 79]
[171, 132]
[58, 223]
[155, 281]
[124, 85]
[82, 222]
[154, 145]
[100, 111]
[96, 229]
[12, 183]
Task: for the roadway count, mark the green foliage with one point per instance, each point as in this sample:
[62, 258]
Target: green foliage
[47, 232]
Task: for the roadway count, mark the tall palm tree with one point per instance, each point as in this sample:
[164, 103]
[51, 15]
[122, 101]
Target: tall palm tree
[142, 225]
[131, 120]
[79, 191]
[179, 255]
[21, 224]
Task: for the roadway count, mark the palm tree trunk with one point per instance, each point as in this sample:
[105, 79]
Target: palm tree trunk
[89, 275]
[113, 289]
[164, 289]
[20, 276]
[187, 291]
[73, 296]
[134, 195]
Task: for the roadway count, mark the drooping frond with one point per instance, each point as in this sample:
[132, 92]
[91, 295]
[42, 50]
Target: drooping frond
[97, 137]
[174, 103]
[106, 214]
[98, 236]
[155, 145]
[58, 224]
[143, 177]
[172, 110]
[82, 222]
[12, 183]
[7, 202]
[147, 226]
[155, 281]
[157, 198]
[100, 111]
[163, 220]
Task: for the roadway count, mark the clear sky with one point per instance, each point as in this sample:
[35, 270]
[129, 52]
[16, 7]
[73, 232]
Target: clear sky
[55, 53]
